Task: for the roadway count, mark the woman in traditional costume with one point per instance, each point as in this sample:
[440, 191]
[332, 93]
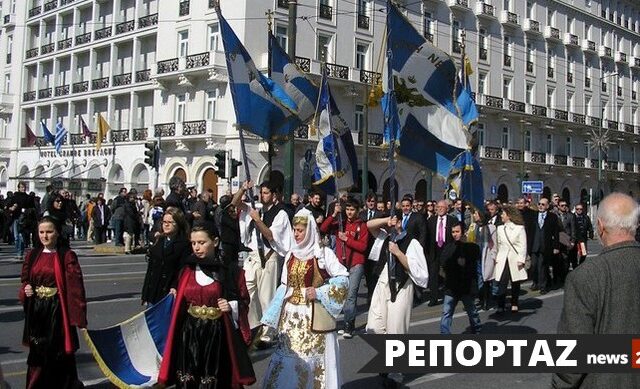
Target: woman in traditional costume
[53, 296]
[209, 332]
[313, 291]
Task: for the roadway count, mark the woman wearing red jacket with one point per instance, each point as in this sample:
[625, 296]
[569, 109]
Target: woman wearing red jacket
[351, 250]
[53, 296]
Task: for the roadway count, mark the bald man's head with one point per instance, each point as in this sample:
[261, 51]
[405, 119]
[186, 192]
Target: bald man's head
[618, 214]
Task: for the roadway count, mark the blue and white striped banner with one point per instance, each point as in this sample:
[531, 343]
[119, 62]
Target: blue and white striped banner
[61, 133]
[129, 354]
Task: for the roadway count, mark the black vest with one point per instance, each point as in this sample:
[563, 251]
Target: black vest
[401, 274]
[268, 218]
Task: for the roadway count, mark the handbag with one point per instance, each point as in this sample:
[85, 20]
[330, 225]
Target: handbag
[321, 319]
[527, 261]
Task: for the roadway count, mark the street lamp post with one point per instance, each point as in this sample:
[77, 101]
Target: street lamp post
[600, 141]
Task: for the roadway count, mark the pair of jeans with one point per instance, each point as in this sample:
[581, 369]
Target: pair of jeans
[355, 276]
[17, 236]
[118, 237]
[449, 308]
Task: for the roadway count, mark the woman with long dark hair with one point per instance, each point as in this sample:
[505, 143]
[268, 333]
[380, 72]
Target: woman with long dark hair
[53, 296]
[166, 257]
[207, 341]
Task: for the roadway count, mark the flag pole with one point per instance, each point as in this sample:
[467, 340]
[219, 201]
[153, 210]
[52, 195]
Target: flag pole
[290, 144]
[269, 14]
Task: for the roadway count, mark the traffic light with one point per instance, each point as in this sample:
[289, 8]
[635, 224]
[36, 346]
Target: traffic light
[234, 168]
[151, 154]
[221, 163]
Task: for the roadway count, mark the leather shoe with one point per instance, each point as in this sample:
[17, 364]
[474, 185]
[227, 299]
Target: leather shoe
[544, 291]
[534, 287]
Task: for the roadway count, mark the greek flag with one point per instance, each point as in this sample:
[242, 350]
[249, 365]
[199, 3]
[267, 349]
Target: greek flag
[129, 354]
[292, 79]
[465, 179]
[262, 106]
[61, 133]
[433, 130]
[336, 160]
[48, 136]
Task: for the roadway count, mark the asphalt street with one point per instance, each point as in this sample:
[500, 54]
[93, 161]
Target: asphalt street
[113, 285]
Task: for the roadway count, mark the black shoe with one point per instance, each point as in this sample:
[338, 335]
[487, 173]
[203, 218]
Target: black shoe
[534, 287]
[348, 330]
[544, 291]
[432, 303]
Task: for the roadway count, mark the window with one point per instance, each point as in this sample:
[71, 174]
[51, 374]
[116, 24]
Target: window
[480, 134]
[214, 37]
[322, 53]
[7, 83]
[529, 95]
[621, 115]
[530, 55]
[359, 118]
[482, 77]
[550, 97]
[506, 49]
[587, 149]
[213, 97]
[482, 42]
[549, 144]
[529, 13]
[281, 36]
[13, 6]
[362, 7]
[588, 31]
[505, 137]
[567, 147]
[428, 26]
[183, 43]
[527, 140]
[180, 108]
[506, 5]
[361, 55]
[506, 88]
[570, 24]
[9, 47]
[456, 37]
[587, 105]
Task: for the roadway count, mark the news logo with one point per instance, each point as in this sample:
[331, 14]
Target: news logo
[504, 354]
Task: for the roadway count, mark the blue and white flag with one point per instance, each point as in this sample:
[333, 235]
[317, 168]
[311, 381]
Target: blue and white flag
[433, 132]
[467, 109]
[129, 354]
[262, 106]
[293, 80]
[466, 179]
[48, 136]
[336, 159]
[61, 133]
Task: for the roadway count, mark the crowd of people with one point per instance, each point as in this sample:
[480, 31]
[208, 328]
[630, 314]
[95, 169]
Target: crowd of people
[278, 274]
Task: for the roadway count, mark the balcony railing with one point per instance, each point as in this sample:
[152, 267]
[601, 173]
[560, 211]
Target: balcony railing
[31, 53]
[79, 87]
[326, 12]
[588, 45]
[65, 2]
[605, 51]
[196, 127]
[50, 5]
[517, 106]
[595, 122]
[372, 139]
[570, 77]
[514, 155]
[510, 18]
[65, 44]
[571, 39]
[48, 48]
[628, 128]
[197, 60]
[44, 93]
[561, 115]
[619, 91]
[29, 96]
[636, 62]
[484, 54]
[537, 157]
[76, 139]
[35, 11]
[507, 60]
[139, 134]
[587, 82]
[7, 18]
[428, 36]
[143, 75]
[550, 72]
[304, 64]
[612, 125]
[604, 86]
[363, 22]
[492, 152]
[578, 118]
[369, 77]
[634, 95]
[552, 33]
[283, 3]
[464, 4]
[531, 25]
[125, 27]
[8, 58]
[122, 79]
[62, 90]
[486, 9]
[578, 161]
[164, 130]
[103, 33]
[337, 71]
[529, 67]
[119, 136]
[457, 47]
[170, 65]
[84, 38]
[147, 21]
[184, 7]
[560, 160]
[494, 102]
[539, 110]
[612, 165]
[100, 83]
[301, 132]
[628, 167]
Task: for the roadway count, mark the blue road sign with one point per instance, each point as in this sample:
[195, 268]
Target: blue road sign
[535, 187]
[494, 189]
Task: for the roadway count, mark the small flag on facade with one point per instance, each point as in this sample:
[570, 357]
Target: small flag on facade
[84, 127]
[103, 128]
[48, 136]
[31, 137]
[61, 133]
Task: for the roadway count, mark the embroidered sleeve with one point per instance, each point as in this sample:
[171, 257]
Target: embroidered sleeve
[271, 316]
[333, 294]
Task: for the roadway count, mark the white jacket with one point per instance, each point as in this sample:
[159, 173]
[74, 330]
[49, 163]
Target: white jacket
[513, 253]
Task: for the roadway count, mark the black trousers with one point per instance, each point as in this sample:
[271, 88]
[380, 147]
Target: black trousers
[371, 278]
[502, 288]
[541, 273]
[434, 277]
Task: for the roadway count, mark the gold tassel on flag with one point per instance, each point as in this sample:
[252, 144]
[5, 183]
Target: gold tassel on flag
[103, 128]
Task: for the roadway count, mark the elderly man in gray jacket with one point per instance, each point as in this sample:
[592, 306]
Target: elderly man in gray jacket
[602, 295]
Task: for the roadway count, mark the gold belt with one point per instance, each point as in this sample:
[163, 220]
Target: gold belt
[45, 292]
[204, 313]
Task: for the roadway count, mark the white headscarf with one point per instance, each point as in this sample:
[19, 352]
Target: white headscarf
[310, 245]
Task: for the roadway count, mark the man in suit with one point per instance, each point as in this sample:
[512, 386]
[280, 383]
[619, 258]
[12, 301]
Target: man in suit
[493, 214]
[438, 238]
[593, 304]
[568, 224]
[369, 213]
[545, 245]
[412, 222]
[100, 215]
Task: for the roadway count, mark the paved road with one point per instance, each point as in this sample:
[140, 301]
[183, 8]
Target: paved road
[113, 286]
